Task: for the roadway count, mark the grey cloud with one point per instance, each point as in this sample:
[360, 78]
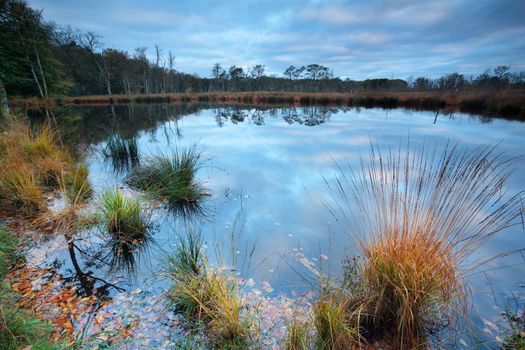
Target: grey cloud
[359, 39]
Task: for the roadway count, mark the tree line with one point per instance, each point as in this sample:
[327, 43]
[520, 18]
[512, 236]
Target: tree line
[39, 58]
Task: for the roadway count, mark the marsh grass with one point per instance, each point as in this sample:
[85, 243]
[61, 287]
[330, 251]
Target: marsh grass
[336, 319]
[17, 328]
[32, 161]
[419, 216]
[124, 217]
[26, 193]
[172, 178]
[75, 183]
[127, 227]
[8, 251]
[208, 297]
[298, 334]
[123, 153]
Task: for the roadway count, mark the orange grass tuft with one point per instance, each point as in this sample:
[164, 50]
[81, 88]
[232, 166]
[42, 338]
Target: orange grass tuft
[420, 215]
[31, 161]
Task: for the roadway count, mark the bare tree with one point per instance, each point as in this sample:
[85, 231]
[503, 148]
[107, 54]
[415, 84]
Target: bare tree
[171, 66]
[91, 42]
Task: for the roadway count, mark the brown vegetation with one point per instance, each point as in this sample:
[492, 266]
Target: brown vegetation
[419, 215]
[32, 162]
[503, 103]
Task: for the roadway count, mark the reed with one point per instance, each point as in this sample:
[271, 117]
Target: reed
[419, 216]
[298, 335]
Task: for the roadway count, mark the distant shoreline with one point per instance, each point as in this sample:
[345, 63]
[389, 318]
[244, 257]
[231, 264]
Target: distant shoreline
[508, 104]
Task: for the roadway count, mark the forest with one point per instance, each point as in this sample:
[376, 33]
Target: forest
[40, 58]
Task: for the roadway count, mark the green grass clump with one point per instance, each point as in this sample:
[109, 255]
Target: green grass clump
[123, 217]
[207, 297]
[127, 223]
[186, 269]
[172, 178]
[17, 328]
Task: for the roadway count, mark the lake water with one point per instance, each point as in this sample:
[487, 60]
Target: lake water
[266, 170]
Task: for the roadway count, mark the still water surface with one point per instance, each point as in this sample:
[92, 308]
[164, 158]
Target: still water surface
[266, 170]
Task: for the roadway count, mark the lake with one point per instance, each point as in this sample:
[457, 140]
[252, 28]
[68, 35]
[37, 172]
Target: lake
[267, 170]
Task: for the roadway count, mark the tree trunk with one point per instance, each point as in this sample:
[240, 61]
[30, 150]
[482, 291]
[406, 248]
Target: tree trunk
[44, 83]
[40, 91]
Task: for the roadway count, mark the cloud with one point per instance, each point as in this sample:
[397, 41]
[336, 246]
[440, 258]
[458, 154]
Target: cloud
[358, 39]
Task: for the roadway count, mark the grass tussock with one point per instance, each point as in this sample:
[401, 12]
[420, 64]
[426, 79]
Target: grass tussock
[123, 217]
[208, 297]
[32, 161]
[127, 222]
[75, 183]
[173, 178]
[420, 215]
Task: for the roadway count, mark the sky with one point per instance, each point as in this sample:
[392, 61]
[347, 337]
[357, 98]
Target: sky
[356, 39]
